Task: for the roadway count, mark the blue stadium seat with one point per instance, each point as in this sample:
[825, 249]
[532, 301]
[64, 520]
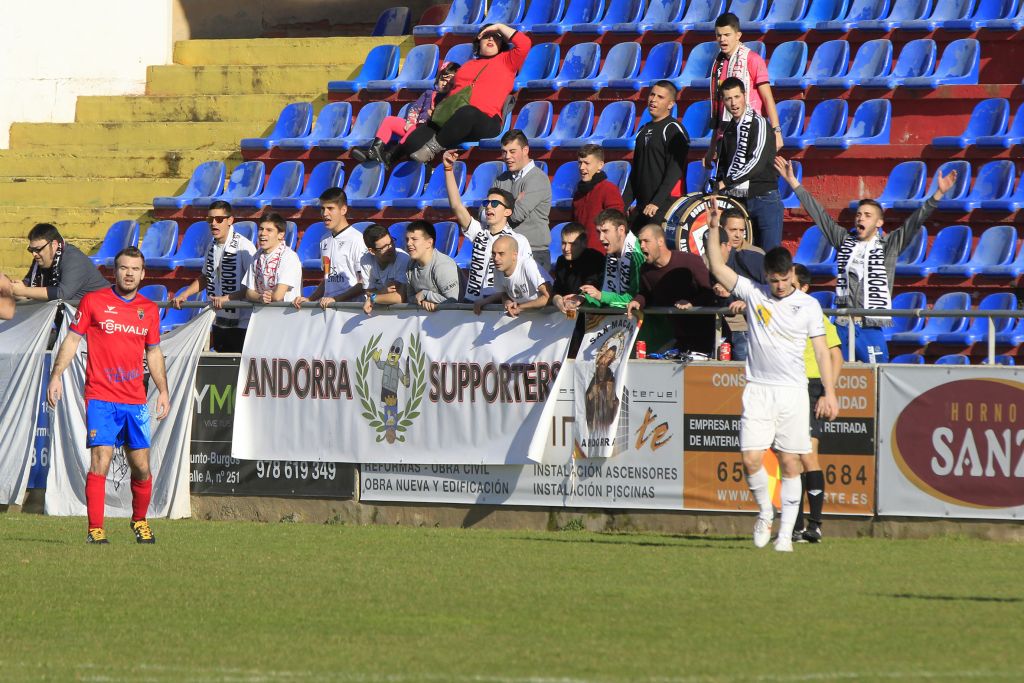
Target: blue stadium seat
[830, 60]
[914, 252]
[826, 299]
[394, 21]
[419, 64]
[160, 240]
[827, 119]
[534, 120]
[781, 11]
[697, 124]
[381, 64]
[622, 61]
[815, 252]
[696, 176]
[1001, 359]
[1013, 336]
[174, 317]
[993, 182]
[363, 129]
[615, 122]
[540, 13]
[245, 181]
[397, 231]
[155, 293]
[366, 180]
[698, 13]
[989, 118]
[905, 301]
[951, 246]
[1013, 269]
[745, 11]
[873, 60]
[581, 61]
[859, 11]
[541, 63]
[786, 193]
[933, 327]
[285, 180]
[457, 54]
[481, 181]
[944, 12]
[206, 181]
[789, 60]
[119, 235]
[617, 12]
[191, 251]
[908, 359]
[953, 359]
[447, 240]
[1014, 22]
[871, 125]
[902, 12]
[916, 60]
[818, 11]
[1010, 203]
[405, 182]
[791, 118]
[334, 121]
[309, 246]
[977, 328]
[324, 175]
[291, 235]
[435, 193]
[464, 254]
[659, 13]
[563, 185]
[293, 122]
[461, 12]
[958, 191]
[498, 12]
[697, 68]
[246, 229]
[958, 65]
[995, 247]
[985, 12]
[575, 120]
[617, 173]
[578, 12]
[1012, 136]
[556, 242]
[664, 61]
[906, 182]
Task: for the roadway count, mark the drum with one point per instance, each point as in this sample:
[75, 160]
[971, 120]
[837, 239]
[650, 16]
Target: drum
[686, 221]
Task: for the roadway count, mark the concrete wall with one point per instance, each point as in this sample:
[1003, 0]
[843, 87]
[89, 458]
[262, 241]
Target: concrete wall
[52, 51]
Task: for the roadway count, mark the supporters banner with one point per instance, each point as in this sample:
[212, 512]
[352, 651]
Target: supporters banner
[599, 376]
[169, 452]
[399, 387]
[714, 474]
[22, 356]
[951, 442]
[647, 473]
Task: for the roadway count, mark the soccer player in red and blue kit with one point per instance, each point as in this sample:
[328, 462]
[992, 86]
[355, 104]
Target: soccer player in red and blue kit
[122, 326]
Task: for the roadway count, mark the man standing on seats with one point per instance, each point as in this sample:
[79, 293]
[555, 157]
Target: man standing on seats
[658, 159]
[746, 151]
[227, 260]
[531, 188]
[863, 260]
[341, 250]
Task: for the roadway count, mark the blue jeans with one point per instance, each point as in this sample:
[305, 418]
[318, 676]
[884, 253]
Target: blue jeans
[740, 345]
[766, 218]
[869, 344]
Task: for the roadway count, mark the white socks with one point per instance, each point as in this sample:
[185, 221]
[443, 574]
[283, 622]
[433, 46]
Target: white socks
[758, 483]
[791, 490]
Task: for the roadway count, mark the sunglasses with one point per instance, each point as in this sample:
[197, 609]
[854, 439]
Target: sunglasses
[36, 250]
[217, 219]
[494, 203]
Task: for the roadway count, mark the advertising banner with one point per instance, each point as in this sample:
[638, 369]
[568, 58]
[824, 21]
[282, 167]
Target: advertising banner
[647, 473]
[951, 442]
[214, 469]
[714, 474]
[402, 387]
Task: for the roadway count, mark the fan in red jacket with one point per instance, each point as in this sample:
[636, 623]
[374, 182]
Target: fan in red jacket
[594, 194]
[499, 52]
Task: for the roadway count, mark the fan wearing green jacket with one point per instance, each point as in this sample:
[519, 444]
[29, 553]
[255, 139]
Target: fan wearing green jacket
[622, 266]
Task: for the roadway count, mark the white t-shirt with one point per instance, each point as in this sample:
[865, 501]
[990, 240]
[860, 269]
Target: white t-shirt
[779, 329]
[289, 272]
[340, 255]
[480, 282]
[375, 277]
[523, 285]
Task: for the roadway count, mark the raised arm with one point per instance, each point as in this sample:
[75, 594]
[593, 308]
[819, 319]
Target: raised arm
[725, 275]
[833, 232]
[462, 216]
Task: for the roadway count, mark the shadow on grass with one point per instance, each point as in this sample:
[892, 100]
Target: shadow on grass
[717, 544]
[52, 541]
[949, 598]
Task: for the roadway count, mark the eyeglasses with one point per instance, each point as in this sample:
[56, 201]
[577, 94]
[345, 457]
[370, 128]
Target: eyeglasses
[383, 248]
[36, 250]
[494, 203]
[217, 219]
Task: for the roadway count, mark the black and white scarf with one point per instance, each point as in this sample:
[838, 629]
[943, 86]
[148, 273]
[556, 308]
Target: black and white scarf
[874, 283]
[47, 277]
[618, 268]
[750, 143]
[481, 267]
[228, 273]
[733, 67]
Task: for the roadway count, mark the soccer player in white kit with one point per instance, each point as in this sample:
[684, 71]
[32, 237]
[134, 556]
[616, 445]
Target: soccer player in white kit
[775, 404]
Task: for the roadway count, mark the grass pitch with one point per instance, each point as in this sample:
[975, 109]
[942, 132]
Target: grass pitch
[247, 602]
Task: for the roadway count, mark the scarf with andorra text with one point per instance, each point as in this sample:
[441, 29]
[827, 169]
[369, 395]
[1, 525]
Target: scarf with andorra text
[874, 280]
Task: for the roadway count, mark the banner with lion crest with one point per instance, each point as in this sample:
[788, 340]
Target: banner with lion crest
[395, 387]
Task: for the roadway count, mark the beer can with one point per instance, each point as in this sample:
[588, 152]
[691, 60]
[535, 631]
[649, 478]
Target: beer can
[641, 349]
[725, 351]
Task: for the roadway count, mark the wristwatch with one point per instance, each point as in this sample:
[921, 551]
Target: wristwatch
[777, 129]
[371, 297]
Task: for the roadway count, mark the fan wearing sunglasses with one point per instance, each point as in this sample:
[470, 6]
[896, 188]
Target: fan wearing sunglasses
[59, 270]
